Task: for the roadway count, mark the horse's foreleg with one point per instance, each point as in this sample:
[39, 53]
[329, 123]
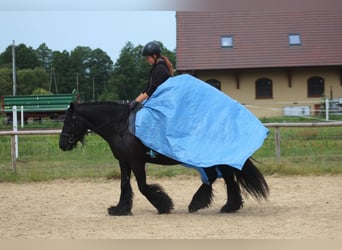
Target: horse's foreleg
[204, 195]
[234, 200]
[154, 193]
[124, 206]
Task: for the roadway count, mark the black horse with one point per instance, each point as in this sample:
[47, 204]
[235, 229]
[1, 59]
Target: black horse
[110, 121]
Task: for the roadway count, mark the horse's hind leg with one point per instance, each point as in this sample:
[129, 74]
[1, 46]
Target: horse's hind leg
[234, 200]
[204, 195]
[124, 206]
[154, 193]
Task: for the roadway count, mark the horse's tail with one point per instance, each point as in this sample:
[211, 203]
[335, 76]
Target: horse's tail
[252, 180]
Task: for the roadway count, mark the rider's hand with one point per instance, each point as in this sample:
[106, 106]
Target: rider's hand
[133, 104]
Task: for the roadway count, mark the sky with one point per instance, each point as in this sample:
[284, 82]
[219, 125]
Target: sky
[105, 24]
[66, 29]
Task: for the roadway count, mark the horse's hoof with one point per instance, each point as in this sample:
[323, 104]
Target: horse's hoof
[197, 205]
[166, 211]
[117, 211]
[192, 208]
[230, 209]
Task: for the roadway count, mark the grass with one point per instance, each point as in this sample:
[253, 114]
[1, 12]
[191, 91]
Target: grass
[40, 159]
[304, 151]
[319, 118]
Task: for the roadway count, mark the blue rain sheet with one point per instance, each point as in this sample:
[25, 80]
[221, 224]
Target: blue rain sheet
[192, 122]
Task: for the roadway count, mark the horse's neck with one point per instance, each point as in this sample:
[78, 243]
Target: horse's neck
[103, 119]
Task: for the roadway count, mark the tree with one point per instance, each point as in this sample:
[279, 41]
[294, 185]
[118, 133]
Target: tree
[99, 70]
[62, 72]
[93, 68]
[80, 59]
[6, 82]
[6, 57]
[41, 91]
[30, 79]
[27, 81]
[125, 74]
[44, 56]
[25, 57]
[82, 68]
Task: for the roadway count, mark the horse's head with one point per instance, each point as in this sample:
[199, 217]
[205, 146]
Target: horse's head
[73, 130]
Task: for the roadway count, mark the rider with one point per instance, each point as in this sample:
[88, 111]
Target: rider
[161, 70]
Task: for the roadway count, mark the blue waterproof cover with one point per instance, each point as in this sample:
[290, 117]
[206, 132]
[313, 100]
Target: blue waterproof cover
[192, 122]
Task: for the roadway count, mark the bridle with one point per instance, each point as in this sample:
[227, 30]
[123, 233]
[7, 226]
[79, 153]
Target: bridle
[71, 137]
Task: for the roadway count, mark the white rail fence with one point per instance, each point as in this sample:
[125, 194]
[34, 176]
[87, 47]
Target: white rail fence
[14, 140]
[276, 126]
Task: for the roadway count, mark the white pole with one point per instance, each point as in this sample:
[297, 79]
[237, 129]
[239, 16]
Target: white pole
[326, 109]
[13, 70]
[15, 129]
[22, 116]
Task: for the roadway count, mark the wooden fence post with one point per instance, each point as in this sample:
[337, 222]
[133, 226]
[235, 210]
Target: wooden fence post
[277, 144]
[13, 153]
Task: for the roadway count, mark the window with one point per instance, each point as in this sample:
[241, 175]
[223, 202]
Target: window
[294, 39]
[227, 41]
[315, 86]
[263, 88]
[215, 83]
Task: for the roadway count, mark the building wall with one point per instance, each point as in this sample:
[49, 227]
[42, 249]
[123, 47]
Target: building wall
[283, 94]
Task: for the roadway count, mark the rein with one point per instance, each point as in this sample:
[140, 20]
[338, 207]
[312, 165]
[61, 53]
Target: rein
[107, 123]
[96, 129]
[118, 124]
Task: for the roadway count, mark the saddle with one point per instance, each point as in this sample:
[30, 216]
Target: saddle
[131, 118]
[131, 127]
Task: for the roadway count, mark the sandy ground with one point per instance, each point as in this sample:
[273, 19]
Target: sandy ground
[298, 208]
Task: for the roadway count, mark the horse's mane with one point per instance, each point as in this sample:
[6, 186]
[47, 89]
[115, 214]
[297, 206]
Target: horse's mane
[110, 107]
[109, 103]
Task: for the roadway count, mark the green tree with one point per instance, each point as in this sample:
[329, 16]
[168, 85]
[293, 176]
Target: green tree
[79, 59]
[93, 68]
[6, 58]
[41, 91]
[125, 75]
[6, 81]
[82, 68]
[30, 79]
[62, 73]
[25, 57]
[99, 70]
[44, 56]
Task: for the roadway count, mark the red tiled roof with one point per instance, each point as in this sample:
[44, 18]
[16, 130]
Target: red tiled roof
[260, 39]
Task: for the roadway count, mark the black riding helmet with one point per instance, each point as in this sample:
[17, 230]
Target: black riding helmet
[151, 48]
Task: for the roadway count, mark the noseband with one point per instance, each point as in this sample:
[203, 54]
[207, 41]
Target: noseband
[71, 138]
